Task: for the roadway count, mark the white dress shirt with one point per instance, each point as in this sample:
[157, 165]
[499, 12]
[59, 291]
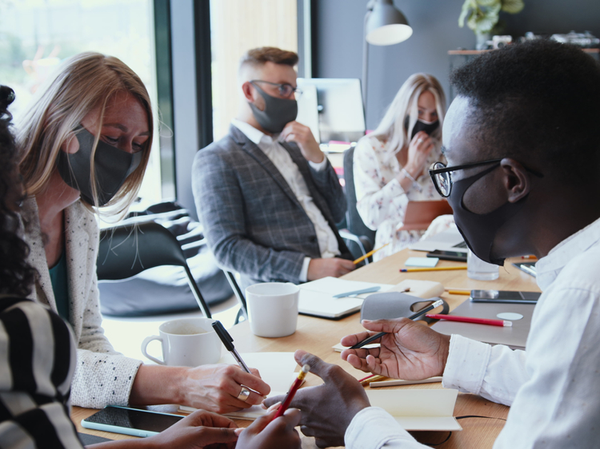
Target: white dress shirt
[553, 388]
[281, 159]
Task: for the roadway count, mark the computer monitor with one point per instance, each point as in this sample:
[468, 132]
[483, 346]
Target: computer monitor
[332, 108]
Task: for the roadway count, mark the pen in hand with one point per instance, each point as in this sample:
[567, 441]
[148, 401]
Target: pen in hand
[413, 317]
[228, 343]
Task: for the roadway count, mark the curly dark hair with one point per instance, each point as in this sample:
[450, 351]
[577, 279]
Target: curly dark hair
[16, 276]
[537, 102]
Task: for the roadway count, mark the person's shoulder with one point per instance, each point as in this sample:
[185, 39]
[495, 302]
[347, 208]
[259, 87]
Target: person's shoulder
[223, 148]
[21, 311]
[582, 271]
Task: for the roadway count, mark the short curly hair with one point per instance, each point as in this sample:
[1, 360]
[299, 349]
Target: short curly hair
[16, 276]
[538, 102]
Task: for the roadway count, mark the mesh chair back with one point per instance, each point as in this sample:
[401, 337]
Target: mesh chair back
[354, 222]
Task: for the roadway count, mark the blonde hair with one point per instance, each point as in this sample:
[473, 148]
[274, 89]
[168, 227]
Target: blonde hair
[405, 105]
[82, 83]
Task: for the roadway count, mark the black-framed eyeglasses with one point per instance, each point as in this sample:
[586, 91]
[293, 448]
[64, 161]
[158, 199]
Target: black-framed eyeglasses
[442, 179]
[285, 89]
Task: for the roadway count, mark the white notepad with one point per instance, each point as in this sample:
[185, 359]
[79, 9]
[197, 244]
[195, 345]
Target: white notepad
[419, 409]
[316, 297]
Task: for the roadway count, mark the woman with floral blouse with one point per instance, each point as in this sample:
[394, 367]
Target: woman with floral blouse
[390, 164]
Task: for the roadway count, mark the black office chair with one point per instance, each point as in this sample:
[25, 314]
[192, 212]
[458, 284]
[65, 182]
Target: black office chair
[127, 250]
[354, 223]
[243, 311]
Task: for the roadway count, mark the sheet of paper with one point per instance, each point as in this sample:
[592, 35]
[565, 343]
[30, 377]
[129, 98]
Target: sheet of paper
[418, 409]
[316, 297]
[340, 348]
[421, 262]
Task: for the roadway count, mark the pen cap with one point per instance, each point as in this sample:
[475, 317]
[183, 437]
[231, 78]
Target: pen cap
[392, 305]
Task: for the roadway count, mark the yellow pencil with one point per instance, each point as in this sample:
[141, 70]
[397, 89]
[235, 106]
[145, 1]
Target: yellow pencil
[363, 257]
[458, 291]
[429, 269]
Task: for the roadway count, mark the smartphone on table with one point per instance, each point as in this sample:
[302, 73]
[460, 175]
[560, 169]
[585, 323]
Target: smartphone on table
[130, 421]
[492, 296]
[448, 255]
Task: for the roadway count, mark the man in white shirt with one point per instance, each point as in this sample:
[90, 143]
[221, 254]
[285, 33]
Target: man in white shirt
[523, 148]
[266, 194]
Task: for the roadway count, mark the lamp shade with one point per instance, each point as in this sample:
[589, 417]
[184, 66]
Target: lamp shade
[386, 25]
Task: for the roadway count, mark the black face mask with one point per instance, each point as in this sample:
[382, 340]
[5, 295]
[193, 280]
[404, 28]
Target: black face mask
[278, 112]
[421, 126]
[479, 230]
[112, 167]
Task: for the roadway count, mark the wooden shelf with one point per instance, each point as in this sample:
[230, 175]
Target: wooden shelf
[479, 52]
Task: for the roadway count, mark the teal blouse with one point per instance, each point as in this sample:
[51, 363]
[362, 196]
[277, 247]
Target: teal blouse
[60, 286]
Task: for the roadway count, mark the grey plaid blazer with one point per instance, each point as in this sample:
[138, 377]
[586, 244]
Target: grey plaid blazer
[252, 220]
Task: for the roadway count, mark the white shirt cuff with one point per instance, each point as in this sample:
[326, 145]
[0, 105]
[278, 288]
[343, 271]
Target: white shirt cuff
[467, 364]
[304, 271]
[319, 166]
[373, 427]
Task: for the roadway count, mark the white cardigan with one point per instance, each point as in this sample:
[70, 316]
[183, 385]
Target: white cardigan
[102, 376]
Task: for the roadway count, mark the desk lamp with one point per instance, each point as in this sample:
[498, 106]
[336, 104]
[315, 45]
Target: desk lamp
[384, 25]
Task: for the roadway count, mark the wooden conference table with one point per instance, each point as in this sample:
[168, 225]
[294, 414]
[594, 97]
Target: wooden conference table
[319, 335]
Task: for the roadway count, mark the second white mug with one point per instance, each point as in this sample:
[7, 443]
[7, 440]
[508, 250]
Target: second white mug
[186, 342]
[272, 308]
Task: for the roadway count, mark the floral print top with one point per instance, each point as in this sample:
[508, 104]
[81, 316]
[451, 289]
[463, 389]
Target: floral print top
[381, 201]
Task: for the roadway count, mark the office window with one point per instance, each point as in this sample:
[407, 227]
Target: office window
[237, 26]
[36, 35]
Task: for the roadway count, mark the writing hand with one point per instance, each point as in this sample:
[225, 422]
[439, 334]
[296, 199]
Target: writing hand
[410, 350]
[216, 386]
[328, 409]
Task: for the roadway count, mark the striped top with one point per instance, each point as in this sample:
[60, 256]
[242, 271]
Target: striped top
[37, 361]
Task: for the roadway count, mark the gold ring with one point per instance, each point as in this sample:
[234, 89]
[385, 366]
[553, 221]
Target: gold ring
[244, 394]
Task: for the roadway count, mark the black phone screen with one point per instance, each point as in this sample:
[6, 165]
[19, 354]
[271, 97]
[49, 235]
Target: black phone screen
[499, 296]
[134, 418]
[448, 255]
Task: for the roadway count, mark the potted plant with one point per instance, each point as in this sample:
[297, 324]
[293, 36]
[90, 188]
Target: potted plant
[482, 17]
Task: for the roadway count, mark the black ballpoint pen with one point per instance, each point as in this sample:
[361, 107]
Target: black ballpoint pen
[413, 317]
[228, 343]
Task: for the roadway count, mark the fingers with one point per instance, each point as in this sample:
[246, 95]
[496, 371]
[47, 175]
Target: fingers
[211, 435]
[352, 339]
[252, 381]
[260, 424]
[209, 419]
[317, 365]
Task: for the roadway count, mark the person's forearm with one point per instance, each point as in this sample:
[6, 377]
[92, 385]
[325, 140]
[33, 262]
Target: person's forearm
[154, 385]
[125, 443]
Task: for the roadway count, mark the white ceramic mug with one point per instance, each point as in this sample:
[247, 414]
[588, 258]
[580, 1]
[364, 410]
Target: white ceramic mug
[272, 308]
[186, 342]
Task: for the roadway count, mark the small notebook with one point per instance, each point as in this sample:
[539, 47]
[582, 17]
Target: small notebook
[515, 337]
[413, 409]
[316, 297]
[419, 409]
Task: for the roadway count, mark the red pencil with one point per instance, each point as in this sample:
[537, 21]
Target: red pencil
[290, 395]
[493, 322]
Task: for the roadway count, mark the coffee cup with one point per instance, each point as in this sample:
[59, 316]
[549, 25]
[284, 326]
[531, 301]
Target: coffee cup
[272, 308]
[186, 342]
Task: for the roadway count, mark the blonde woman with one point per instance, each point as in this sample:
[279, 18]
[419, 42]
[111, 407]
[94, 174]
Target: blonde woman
[84, 143]
[390, 164]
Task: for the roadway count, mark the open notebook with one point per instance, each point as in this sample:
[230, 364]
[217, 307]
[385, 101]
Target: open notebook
[413, 409]
[317, 297]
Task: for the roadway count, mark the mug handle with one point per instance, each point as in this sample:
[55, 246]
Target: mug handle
[145, 345]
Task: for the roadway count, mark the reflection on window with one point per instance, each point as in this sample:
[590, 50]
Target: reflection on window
[237, 26]
[36, 35]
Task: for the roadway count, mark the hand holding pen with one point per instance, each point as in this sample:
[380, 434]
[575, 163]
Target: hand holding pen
[409, 350]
